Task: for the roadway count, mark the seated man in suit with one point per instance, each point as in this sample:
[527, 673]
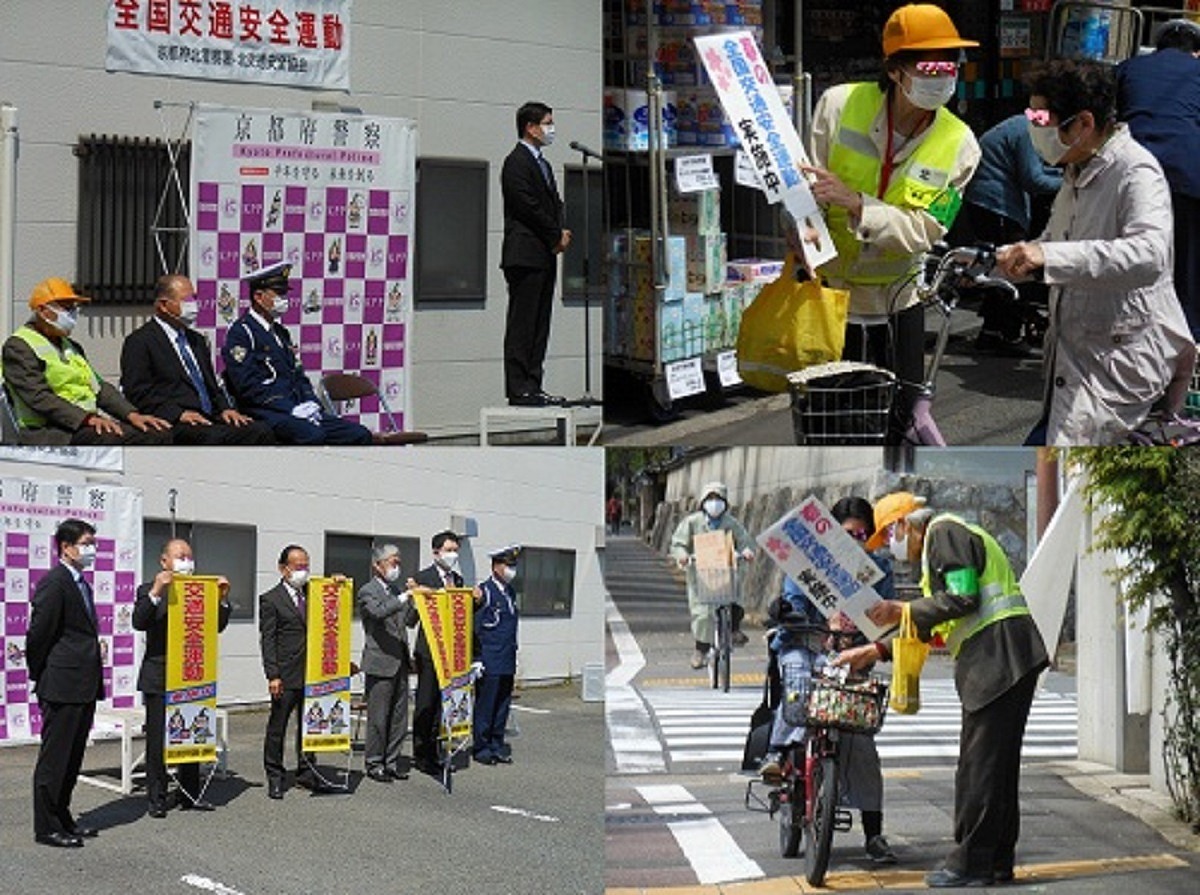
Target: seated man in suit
[264, 373]
[166, 369]
[58, 397]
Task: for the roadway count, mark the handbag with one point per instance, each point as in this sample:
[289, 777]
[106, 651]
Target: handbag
[908, 657]
[790, 326]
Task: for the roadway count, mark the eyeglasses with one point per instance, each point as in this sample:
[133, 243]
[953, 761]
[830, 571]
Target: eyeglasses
[936, 67]
[859, 534]
[1041, 118]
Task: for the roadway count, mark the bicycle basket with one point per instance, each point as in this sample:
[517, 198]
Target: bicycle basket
[844, 402]
[715, 587]
[853, 707]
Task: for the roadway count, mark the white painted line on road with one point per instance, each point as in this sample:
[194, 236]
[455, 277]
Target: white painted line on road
[713, 854]
[530, 709]
[208, 885]
[629, 655]
[521, 812]
[631, 734]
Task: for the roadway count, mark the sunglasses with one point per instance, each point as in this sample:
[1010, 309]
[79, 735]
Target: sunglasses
[934, 67]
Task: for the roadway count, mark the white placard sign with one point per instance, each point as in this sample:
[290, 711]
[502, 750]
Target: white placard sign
[744, 172]
[727, 369]
[694, 174]
[832, 568]
[750, 98]
[684, 378]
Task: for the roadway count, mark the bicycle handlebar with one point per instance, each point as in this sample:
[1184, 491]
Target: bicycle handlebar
[945, 270]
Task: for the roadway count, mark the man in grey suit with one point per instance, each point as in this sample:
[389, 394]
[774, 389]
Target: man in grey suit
[385, 664]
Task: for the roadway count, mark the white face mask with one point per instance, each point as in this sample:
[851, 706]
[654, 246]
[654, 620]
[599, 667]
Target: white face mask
[298, 577]
[929, 92]
[183, 566]
[87, 554]
[508, 573]
[64, 320]
[447, 560]
[714, 508]
[547, 134]
[899, 545]
[188, 312]
[1048, 143]
[391, 574]
[279, 305]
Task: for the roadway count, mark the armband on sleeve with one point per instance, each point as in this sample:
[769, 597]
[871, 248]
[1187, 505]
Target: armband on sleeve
[963, 582]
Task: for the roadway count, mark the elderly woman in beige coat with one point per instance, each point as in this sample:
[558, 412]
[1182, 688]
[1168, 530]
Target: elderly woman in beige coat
[1118, 346]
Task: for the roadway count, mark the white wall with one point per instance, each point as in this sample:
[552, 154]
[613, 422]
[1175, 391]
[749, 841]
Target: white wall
[547, 497]
[459, 69]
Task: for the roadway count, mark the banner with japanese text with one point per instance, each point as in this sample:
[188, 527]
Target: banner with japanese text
[447, 617]
[327, 675]
[298, 43]
[748, 95]
[191, 697]
[332, 195]
[833, 569]
[30, 511]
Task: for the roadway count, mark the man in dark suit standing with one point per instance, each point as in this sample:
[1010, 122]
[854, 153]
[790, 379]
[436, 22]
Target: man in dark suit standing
[166, 370]
[427, 710]
[150, 615]
[62, 648]
[533, 238]
[264, 373]
[283, 637]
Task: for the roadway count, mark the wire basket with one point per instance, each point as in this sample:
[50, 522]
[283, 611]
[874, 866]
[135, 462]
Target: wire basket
[855, 707]
[844, 402]
[715, 587]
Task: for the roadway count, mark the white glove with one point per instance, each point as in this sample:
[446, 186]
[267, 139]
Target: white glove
[309, 410]
[748, 555]
[477, 668]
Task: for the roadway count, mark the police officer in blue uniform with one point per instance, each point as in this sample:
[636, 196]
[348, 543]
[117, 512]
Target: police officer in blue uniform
[264, 373]
[496, 630]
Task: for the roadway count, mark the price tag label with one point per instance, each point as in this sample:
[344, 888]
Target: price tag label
[694, 173]
[727, 369]
[684, 378]
[744, 172]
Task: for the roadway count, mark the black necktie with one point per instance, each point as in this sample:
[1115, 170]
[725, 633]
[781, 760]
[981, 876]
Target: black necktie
[301, 604]
[546, 172]
[86, 590]
[193, 371]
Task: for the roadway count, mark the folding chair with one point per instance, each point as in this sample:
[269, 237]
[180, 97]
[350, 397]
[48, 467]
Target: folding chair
[338, 388]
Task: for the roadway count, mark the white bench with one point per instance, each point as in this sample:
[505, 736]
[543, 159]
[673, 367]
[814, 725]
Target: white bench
[130, 723]
[566, 420]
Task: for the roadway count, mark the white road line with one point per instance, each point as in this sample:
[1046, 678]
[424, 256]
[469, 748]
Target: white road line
[711, 852]
[629, 655]
[521, 812]
[635, 744]
[530, 709]
[208, 885]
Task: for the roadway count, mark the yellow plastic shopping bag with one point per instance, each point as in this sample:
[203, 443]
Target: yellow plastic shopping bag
[790, 326]
[908, 657]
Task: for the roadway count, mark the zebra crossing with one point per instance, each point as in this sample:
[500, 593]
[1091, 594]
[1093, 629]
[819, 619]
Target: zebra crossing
[706, 727]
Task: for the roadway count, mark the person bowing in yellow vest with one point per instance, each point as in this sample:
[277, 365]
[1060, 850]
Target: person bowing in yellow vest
[890, 166]
[58, 398]
[972, 599]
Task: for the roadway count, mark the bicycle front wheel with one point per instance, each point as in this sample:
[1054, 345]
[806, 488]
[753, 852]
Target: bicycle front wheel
[722, 648]
[819, 824]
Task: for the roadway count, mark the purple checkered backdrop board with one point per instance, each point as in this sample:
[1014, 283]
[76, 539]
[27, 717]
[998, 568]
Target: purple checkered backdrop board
[30, 511]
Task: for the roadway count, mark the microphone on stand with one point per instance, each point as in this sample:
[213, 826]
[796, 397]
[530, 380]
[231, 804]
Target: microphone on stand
[579, 147]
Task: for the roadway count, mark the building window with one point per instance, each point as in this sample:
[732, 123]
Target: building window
[451, 230]
[585, 220]
[350, 555]
[545, 582]
[121, 186]
[228, 550]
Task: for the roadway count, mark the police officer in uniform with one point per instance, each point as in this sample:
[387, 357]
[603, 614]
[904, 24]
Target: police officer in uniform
[971, 597]
[264, 373]
[496, 629]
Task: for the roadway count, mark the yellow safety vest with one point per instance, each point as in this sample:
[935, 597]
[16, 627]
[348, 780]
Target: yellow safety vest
[68, 374]
[999, 593]
[921, 181]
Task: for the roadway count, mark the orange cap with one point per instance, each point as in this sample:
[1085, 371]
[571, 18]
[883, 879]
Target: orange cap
[921, 26]
[51, 290]
[889, 509]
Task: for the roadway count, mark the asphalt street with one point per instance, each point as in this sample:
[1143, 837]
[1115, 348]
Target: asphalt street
[675, 805]
[530, 827]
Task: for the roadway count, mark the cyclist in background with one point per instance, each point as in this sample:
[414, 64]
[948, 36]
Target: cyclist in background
[713, 515]
[861, 781]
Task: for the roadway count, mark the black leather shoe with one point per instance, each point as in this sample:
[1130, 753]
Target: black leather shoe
[1004, 875]
[275, 789]
[186, 804]
[945, 878]
[59, 840]
[157, 811]
[85, 832]
[530, 399]
[397, 774]
[424, 766]
[550, 400]
[379, 775]
[503, 758]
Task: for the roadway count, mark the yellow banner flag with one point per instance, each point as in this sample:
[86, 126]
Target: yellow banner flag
[327, 673]
[191, 697]
[447, 617]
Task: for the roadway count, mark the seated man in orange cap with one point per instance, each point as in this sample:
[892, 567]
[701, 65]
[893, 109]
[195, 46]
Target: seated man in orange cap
[57, 396]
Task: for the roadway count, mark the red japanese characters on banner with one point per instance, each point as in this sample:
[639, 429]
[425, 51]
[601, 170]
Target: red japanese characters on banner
[296, 42]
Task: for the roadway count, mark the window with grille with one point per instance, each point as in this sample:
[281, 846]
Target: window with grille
[227, 550]
[545, 582]
[350, 555]
[451, 230]
[122, 183]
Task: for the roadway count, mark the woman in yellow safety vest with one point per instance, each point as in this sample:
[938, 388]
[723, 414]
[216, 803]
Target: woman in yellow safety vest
[891, 164]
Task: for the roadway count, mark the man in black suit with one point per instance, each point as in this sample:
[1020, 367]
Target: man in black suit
[150, 615]
[427, 709]
[283, 636]
[533, 238]
[166, 370]
[62, 648]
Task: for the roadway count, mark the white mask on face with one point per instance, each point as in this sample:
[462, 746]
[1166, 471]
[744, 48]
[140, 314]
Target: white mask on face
[714, 508]
[929, 92]
[183, 566]
[547, 134]
[279, 305]
[447, 560]
[508, 573]
[298, 577]
[87, 554]
[391, 574]
[1048, 143]
[188, 312]
[899, 545]
[64, 320]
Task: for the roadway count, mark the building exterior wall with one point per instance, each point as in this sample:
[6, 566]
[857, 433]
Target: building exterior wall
[547, 497]
[460, 70]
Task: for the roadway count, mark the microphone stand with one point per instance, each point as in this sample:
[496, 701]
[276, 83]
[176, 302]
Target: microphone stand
[586, 400]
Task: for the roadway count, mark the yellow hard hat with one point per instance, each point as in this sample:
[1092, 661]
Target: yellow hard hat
[921, 26]
[51, 290]
[889, 509]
